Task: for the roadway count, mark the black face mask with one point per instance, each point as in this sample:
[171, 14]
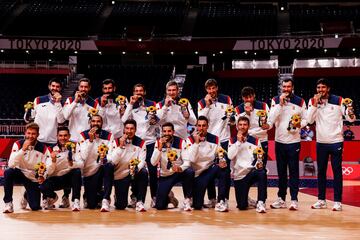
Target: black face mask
[140, 99]
[98, 131]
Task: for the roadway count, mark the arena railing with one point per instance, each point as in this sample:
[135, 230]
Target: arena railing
[34, 64]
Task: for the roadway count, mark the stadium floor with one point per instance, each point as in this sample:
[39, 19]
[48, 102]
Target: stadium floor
[175, 224]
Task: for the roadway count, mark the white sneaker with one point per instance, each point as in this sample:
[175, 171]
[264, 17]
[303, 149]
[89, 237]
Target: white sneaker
[337, 206]
[221, 206]
[173, 200]
[65, 202]
[140, 207]
[23, 203]
[132, 203]
[51, 202]
[320, 204]
[45, 204]
[76, 205]
[187, 205]
[105, 206]
[85, 202]
[251, 202]
[210, 204]
[153, 202]
[227, 203]
[261, 207]
[9, 208]
[279, 203]
[294, 205]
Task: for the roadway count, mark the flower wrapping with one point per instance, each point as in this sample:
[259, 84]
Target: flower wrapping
[262, 117]
[121, 101]
[220, 155]
[258, 156]
[294, 122]
[171, 157]
[229, 114]
[102, 151]
[40, 169]
[151, 115]
[348, 102]
[133, 166]
[29, 105]
[70, 146]
[184, 102]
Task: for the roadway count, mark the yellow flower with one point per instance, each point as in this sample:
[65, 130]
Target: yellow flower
[134, 162]
[347, 101]
[120, 99]
[261, 113]
[40, 168]
[296, 119]
[28, 106]
[172, 155]
[258, 151]
[220, 150]
[103, 149]
[151, 109]
[183, 101]
[93, 111]
[229, 109]
[70, 145]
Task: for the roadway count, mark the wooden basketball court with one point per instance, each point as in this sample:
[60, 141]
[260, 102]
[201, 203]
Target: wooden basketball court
[175, 224]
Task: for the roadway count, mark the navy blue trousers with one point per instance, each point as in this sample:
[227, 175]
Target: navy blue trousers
[323, 152]
[242, 187]
[122, 188]
[109, 169]
[153, 179]
[70, 180]
[93, 188]
[166, 183]
[211, 191]
[14, 175]
[202, 181]
[287, 155]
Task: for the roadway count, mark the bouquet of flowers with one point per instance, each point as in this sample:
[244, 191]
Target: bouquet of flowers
[151, 115]
[294, 122]
[259, 157]
[102, 151]
[133, 166]
[92, 112]
[220, 154]
[171, 157]
[229, 114]
[40, 169]
[70, 146]
[28, 106]
[348, 102]
[121, 101]
[184, 103]
[262, 117]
